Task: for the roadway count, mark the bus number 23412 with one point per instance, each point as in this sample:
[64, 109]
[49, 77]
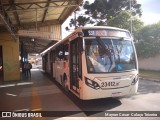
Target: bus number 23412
[108, 84]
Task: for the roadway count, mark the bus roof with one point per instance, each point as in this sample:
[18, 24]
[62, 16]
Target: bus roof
[102, 27]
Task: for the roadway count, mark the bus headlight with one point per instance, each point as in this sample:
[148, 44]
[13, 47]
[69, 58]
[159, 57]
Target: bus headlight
[91, 84]
[135, 79]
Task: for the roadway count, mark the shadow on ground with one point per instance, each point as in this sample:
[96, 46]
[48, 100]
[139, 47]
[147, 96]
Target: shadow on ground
[90, 107]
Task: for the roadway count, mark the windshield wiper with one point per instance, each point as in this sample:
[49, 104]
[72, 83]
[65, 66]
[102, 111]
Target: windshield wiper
[102, 44]
[118, 54]
[119, 60]
[105, 49]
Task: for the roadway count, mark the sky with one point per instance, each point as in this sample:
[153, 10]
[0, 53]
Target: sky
[150, 11]
[150, 14]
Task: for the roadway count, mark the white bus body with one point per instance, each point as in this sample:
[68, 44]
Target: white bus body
[96, 62]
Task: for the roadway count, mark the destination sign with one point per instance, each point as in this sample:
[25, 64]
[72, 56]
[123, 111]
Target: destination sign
[105, 33]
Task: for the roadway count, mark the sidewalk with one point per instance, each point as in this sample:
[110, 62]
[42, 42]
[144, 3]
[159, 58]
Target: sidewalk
[150, 75]
[37, 94]
[22, 79]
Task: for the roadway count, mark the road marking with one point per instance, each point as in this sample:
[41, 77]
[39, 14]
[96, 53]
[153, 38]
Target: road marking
[9, 85]
[24, 83]
[16, 84]
[11, 94]
[21, 110]
[38, 109]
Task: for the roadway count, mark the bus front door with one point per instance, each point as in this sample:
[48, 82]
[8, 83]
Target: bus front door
[74, 66]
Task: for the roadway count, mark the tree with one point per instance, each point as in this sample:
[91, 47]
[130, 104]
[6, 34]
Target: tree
[101, 11]
[122, 20]
[80, 21]
[104, 10]
[149, 41]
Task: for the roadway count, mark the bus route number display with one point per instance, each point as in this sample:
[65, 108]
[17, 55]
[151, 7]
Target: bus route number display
[104, 33]
[97, 33]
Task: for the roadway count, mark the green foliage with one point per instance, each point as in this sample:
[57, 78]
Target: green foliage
[149, 41]
[122, 20]
[101, 11]
[104, 10]
[80, 21]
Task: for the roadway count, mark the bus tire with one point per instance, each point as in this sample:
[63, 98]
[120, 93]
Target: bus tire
[65, 83]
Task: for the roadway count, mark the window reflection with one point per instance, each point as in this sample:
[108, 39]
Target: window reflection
[109, 55]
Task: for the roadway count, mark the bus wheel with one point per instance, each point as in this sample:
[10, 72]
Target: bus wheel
[66, 85]
[62, 81]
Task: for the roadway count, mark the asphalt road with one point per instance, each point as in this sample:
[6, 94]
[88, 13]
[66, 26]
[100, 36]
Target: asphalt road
[41, 94]
[147, 99]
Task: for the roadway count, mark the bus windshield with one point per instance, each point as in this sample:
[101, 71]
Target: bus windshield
[109, 55]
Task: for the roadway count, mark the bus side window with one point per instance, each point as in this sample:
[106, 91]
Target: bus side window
[60, 55]
[66, 53]
[80, 49]
[57, 54]
[53, 56]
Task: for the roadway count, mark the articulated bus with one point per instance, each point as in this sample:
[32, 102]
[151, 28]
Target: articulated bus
[95, 62]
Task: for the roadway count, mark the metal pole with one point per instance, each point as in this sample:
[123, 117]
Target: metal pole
[130, 3]
[75, 21]
[36, 19]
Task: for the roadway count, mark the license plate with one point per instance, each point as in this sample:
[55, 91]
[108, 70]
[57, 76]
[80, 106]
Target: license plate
[116, 94]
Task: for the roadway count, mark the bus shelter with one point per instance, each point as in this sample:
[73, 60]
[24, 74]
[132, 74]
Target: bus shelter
[28, 26]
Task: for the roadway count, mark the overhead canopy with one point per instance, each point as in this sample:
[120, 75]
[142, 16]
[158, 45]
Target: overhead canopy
[33, 14]
[25, 13]
[35, 45]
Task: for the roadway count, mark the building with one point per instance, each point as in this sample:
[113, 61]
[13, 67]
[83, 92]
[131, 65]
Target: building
[28, 26]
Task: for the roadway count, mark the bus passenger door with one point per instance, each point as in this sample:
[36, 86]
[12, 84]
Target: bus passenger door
[75, 65]
[53, 56]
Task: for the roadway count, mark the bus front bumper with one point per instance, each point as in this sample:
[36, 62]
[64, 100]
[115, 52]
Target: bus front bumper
[90, 93]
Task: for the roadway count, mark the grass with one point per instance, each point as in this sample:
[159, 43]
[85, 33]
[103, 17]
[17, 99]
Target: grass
[150, 74]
